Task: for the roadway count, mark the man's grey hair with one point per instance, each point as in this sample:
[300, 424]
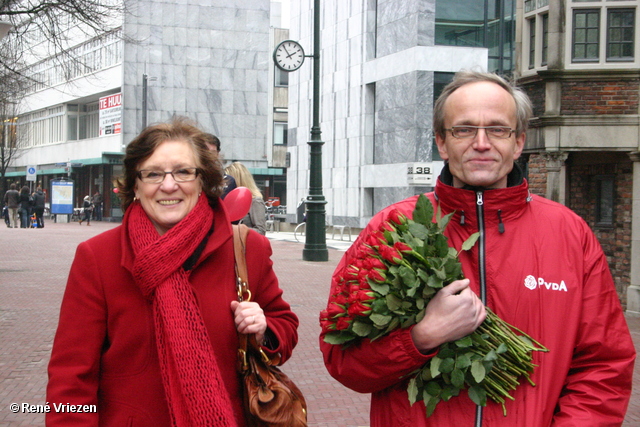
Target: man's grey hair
[524, 110]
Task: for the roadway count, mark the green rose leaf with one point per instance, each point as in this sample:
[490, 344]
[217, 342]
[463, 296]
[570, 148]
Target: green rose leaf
[380, 319]
[478, 371]
[435, 366]
[447, 365]
[463, 361]
[393, 302]
[361, 329]
[337, 338]
[470, 242]
[464, 342]
[381, 288]
[433, 388]
[478, 395]
[412, 390]
[457, 378]
[430, 403]
[423, 212]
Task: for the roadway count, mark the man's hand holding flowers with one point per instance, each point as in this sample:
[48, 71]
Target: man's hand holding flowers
[453, 313]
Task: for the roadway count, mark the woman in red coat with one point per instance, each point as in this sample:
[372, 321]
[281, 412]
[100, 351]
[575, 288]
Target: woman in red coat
[149, 320]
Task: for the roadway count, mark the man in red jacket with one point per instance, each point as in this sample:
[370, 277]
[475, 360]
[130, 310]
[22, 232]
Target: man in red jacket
[537, 265]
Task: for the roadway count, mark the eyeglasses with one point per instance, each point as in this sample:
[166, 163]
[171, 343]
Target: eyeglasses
[150, 176]
[493, 132]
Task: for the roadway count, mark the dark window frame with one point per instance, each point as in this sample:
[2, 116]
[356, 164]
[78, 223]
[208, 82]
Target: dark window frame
[545, 39]
[605, 219]
[532, 42]
[586, 44]
[609, 43]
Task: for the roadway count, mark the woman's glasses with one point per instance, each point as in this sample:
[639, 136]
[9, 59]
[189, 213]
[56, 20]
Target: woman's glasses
[150, 176]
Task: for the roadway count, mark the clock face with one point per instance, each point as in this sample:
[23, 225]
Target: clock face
[288, 55]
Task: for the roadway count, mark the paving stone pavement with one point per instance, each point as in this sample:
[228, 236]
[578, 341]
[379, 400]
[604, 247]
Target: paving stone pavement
[34, 264]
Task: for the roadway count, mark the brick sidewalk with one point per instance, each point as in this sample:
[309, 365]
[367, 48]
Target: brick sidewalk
[33, 269]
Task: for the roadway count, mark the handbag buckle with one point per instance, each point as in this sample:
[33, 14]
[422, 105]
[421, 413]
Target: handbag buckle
[244, 294]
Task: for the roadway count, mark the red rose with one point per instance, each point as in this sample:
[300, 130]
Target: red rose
[334, 310]
[343, 323]
[377, 276]
[390, 254]
[373, 262]
[375, 238]
[359, 309]
[397, 217]
[340, 299]
[363, 283]
[364, 252]
[386, 226]
[402, 247]
[327, 325]
[351, 272]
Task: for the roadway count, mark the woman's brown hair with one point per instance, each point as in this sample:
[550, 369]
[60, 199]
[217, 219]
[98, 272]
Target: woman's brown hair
[143, 146]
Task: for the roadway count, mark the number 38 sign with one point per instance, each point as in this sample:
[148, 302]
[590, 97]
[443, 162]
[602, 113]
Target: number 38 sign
[420, 173]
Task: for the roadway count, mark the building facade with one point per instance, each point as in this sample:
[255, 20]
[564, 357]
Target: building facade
[383, 64]
[206, 60]
[579, 62]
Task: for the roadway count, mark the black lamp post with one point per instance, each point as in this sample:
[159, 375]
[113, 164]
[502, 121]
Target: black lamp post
[315, 248]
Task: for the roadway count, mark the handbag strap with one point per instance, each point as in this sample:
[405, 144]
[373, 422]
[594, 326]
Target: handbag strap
[240, 232]
[245, 341]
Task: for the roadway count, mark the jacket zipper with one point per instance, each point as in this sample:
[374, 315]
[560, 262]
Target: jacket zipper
[482, 271]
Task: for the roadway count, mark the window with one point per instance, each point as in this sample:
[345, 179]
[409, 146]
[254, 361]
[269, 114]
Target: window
[532, 42]
[281, 77]
[545, 39]
[620, 29]
[473, 23]
[280, 130]
[604, 200]
[586, 35]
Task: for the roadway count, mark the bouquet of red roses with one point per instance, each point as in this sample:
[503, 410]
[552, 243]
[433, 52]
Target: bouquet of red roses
[396, 272]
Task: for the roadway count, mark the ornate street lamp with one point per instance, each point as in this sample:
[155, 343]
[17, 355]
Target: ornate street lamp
[289, 56]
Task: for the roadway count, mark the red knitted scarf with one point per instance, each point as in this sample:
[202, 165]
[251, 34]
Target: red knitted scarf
[192, 383]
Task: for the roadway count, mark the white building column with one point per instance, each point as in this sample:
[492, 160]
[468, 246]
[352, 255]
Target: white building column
[633, 291]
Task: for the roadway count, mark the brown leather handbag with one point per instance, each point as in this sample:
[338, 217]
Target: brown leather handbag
[271, 399]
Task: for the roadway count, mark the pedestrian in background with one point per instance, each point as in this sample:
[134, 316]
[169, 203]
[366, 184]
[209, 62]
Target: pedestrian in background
[26, 202]
[87, 210]
[38, 207]
[97, 205]
[150, 317]
[213, 143]
[257, 216]
[537, 265]
[12, 202]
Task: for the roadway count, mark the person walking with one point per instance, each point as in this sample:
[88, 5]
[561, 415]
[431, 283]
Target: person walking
[97, 206]
[537, 265]
[26, 202]
[12, 202]
[87, 210]
[38, 207]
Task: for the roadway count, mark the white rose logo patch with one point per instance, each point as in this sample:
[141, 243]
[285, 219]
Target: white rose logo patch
[530, 282]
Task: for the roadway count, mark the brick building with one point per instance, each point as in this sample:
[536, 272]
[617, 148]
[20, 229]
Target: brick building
[579, 62]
